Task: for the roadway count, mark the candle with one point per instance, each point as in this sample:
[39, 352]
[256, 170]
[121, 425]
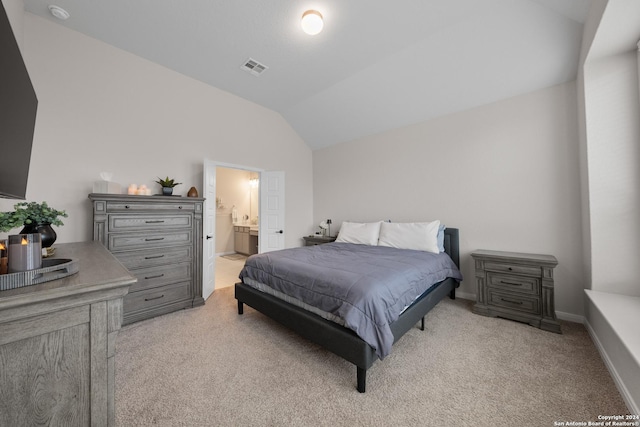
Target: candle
[3, 257]
[25, 252]
[133, 189]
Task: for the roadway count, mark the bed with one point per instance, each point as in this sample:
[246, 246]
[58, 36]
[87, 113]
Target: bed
[329, 332]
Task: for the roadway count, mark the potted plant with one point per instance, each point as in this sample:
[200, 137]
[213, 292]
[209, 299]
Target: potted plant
[167, 185]
[9, 221]
[34, 218]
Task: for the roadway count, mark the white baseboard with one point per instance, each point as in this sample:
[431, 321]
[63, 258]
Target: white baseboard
[570, 317]
[224, 253]
[626, 396]
[465, 295]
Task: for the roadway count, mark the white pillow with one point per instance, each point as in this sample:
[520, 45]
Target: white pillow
[366, 233]
[421, 236]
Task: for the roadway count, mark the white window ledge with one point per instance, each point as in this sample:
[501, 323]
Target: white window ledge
[623, 314]
[614, 325]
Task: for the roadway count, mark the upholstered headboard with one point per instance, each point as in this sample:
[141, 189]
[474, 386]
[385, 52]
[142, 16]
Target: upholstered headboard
[452, 244]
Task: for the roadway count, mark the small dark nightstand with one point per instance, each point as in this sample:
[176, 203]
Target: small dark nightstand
[318, 240]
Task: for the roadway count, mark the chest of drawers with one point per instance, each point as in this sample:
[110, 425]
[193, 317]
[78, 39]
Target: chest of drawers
[158, 239]
[516, 286]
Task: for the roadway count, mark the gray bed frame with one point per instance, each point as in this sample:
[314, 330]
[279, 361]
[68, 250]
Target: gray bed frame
[343, 341]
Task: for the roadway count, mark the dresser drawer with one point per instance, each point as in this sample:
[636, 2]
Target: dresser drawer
[513, 268]
[146, 207]
[150, 257]
[148, 222]
[124, 241]
[521, 303]
[527, 285]
[155, 297]
[153, 277]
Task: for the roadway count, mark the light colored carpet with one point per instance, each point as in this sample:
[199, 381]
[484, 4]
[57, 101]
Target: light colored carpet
[208, 366]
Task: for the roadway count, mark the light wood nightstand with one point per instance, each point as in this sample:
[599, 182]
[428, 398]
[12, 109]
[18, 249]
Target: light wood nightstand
[516, 286]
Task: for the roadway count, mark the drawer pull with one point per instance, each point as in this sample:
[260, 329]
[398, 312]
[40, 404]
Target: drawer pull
[153, 277]
[510, 269]
[151, 299]
[512, 302]
[154, 239]
[126, 206]
[510, 283]
[179, 207]
[155, 221]
[154, 257]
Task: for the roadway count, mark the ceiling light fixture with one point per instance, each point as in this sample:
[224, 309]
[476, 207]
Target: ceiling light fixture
[59, 12]
[312, 22]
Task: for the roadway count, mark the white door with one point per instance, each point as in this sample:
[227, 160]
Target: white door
[271, 211]
[209, 244]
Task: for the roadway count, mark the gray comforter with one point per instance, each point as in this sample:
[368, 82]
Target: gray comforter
[367, 287]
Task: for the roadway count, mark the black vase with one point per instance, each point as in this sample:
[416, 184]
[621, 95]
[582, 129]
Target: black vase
[47, 233]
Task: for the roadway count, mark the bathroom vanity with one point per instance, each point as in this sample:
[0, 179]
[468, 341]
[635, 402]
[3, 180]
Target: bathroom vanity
[246, 239]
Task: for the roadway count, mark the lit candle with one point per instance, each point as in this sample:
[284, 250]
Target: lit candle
[3, 257]
[133, 189]
[25, 252]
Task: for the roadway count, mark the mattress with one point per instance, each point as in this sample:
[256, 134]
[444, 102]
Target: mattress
[365, 288]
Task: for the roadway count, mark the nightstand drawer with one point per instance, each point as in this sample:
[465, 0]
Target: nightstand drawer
[514, 302]
[147, 222]
[527, 285]
[513, 268]
[154, 277]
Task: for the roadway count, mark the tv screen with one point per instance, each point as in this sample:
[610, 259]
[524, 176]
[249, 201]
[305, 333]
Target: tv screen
[18, 105]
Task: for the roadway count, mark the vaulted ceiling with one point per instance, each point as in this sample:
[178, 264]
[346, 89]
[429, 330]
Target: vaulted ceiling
[377, 65]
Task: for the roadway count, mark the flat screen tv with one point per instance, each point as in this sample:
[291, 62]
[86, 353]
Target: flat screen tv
[18, 105]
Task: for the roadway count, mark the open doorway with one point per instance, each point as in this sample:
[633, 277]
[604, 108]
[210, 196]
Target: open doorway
[259, 212]
[237, 219]
[227, 202]
[237, 208]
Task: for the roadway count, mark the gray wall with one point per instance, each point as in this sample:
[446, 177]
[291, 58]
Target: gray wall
[506, 174]
[103, 109]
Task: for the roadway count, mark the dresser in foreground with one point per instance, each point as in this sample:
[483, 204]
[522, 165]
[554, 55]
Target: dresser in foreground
[57, 343]
[516, 286]
[159, 239]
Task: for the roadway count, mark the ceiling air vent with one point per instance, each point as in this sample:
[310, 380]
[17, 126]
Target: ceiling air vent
[254, 67]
